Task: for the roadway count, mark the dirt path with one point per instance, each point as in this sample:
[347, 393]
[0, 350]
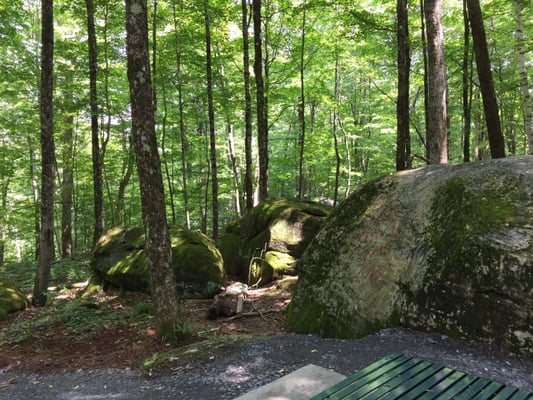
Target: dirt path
[254, 363]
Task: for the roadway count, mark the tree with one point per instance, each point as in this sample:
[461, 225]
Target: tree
[466, 84]
[98, 186]
[490, 103]
[437, 136]
[159, 254]
[48, 161]
[248, 184]
[262, 124]
[211, 116]
[403, 141]
[524, 81]
[67, 186]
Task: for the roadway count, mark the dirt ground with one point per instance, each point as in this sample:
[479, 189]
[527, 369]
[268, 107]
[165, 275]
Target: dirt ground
[127, 346]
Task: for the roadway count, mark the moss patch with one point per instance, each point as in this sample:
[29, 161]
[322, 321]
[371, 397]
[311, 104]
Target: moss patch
[11, 299]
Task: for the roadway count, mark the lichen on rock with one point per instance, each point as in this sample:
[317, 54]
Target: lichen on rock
[445, 248]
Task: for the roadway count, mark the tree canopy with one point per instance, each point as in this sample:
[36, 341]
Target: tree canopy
[330, 80]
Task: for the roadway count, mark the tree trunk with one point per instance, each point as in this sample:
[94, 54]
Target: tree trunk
[127, 171]
[403, 140]
[490, 103]
[262, 128]
[183, 136]
[3, 227]
[67, 187]
[301, 109]
[211, 114]
[235, 168]
[248, 180]
[159, 255]
[35, 192]
[336, 118]
[524, 83]
[426, 74]
[98, 185]
[48, 160]
[467, 86]
[437, 137]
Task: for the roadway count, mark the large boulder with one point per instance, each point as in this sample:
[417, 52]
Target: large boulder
[11, 299]
[444, 248]
[120, 260]
[270, 238]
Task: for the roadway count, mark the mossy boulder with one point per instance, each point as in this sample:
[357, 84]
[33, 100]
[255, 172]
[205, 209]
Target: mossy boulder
[270, 238]
[443, 248]
[120, 260]
[11, 299]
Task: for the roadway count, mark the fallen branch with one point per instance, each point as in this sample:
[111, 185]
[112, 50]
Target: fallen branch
[8, 382]
[250, 314]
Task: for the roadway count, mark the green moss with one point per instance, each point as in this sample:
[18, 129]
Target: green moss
[230, 249]
[3, 314]
[11, 298]
[194, 353]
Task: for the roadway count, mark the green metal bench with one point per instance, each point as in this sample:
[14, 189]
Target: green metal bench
[399, 376]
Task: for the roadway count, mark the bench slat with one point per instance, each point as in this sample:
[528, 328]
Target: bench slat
[399, 376]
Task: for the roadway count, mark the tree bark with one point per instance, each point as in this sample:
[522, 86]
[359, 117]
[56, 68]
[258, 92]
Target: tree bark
[98, 185]
[486, 84]
[248, 180]
[403, 140]
[183, 136]
[211, 114]
[262, 127]
[467, 86]
[524, 82]
[301, 108]
[437, 136]
[159, 260]
[67, 186]
[48, 160]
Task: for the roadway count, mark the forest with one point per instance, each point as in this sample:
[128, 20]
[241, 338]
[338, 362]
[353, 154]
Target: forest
[306, 91]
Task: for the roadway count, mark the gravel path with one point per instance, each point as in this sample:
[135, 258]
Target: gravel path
[260, 361]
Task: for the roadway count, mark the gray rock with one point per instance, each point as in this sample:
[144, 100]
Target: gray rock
[442, 248]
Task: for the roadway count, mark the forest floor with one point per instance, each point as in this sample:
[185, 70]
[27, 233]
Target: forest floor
[106, 348]
[118, 337]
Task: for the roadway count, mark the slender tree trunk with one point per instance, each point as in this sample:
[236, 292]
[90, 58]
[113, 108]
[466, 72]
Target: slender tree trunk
[403, 140]
[169, 172]
[301, 108]
[35, 191]
[211, 114]
[486, 84]
[262, 125]
[336, 118]
[127, 171]
[67, 187]
[159, 254]
[437, 137]
[235, 168]
[248, 180]
[154, 55]
[48, 160]
[467, 86]
[524, 82]
[3, 227]
[183, 136]
[426, 74]
[98, 185]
